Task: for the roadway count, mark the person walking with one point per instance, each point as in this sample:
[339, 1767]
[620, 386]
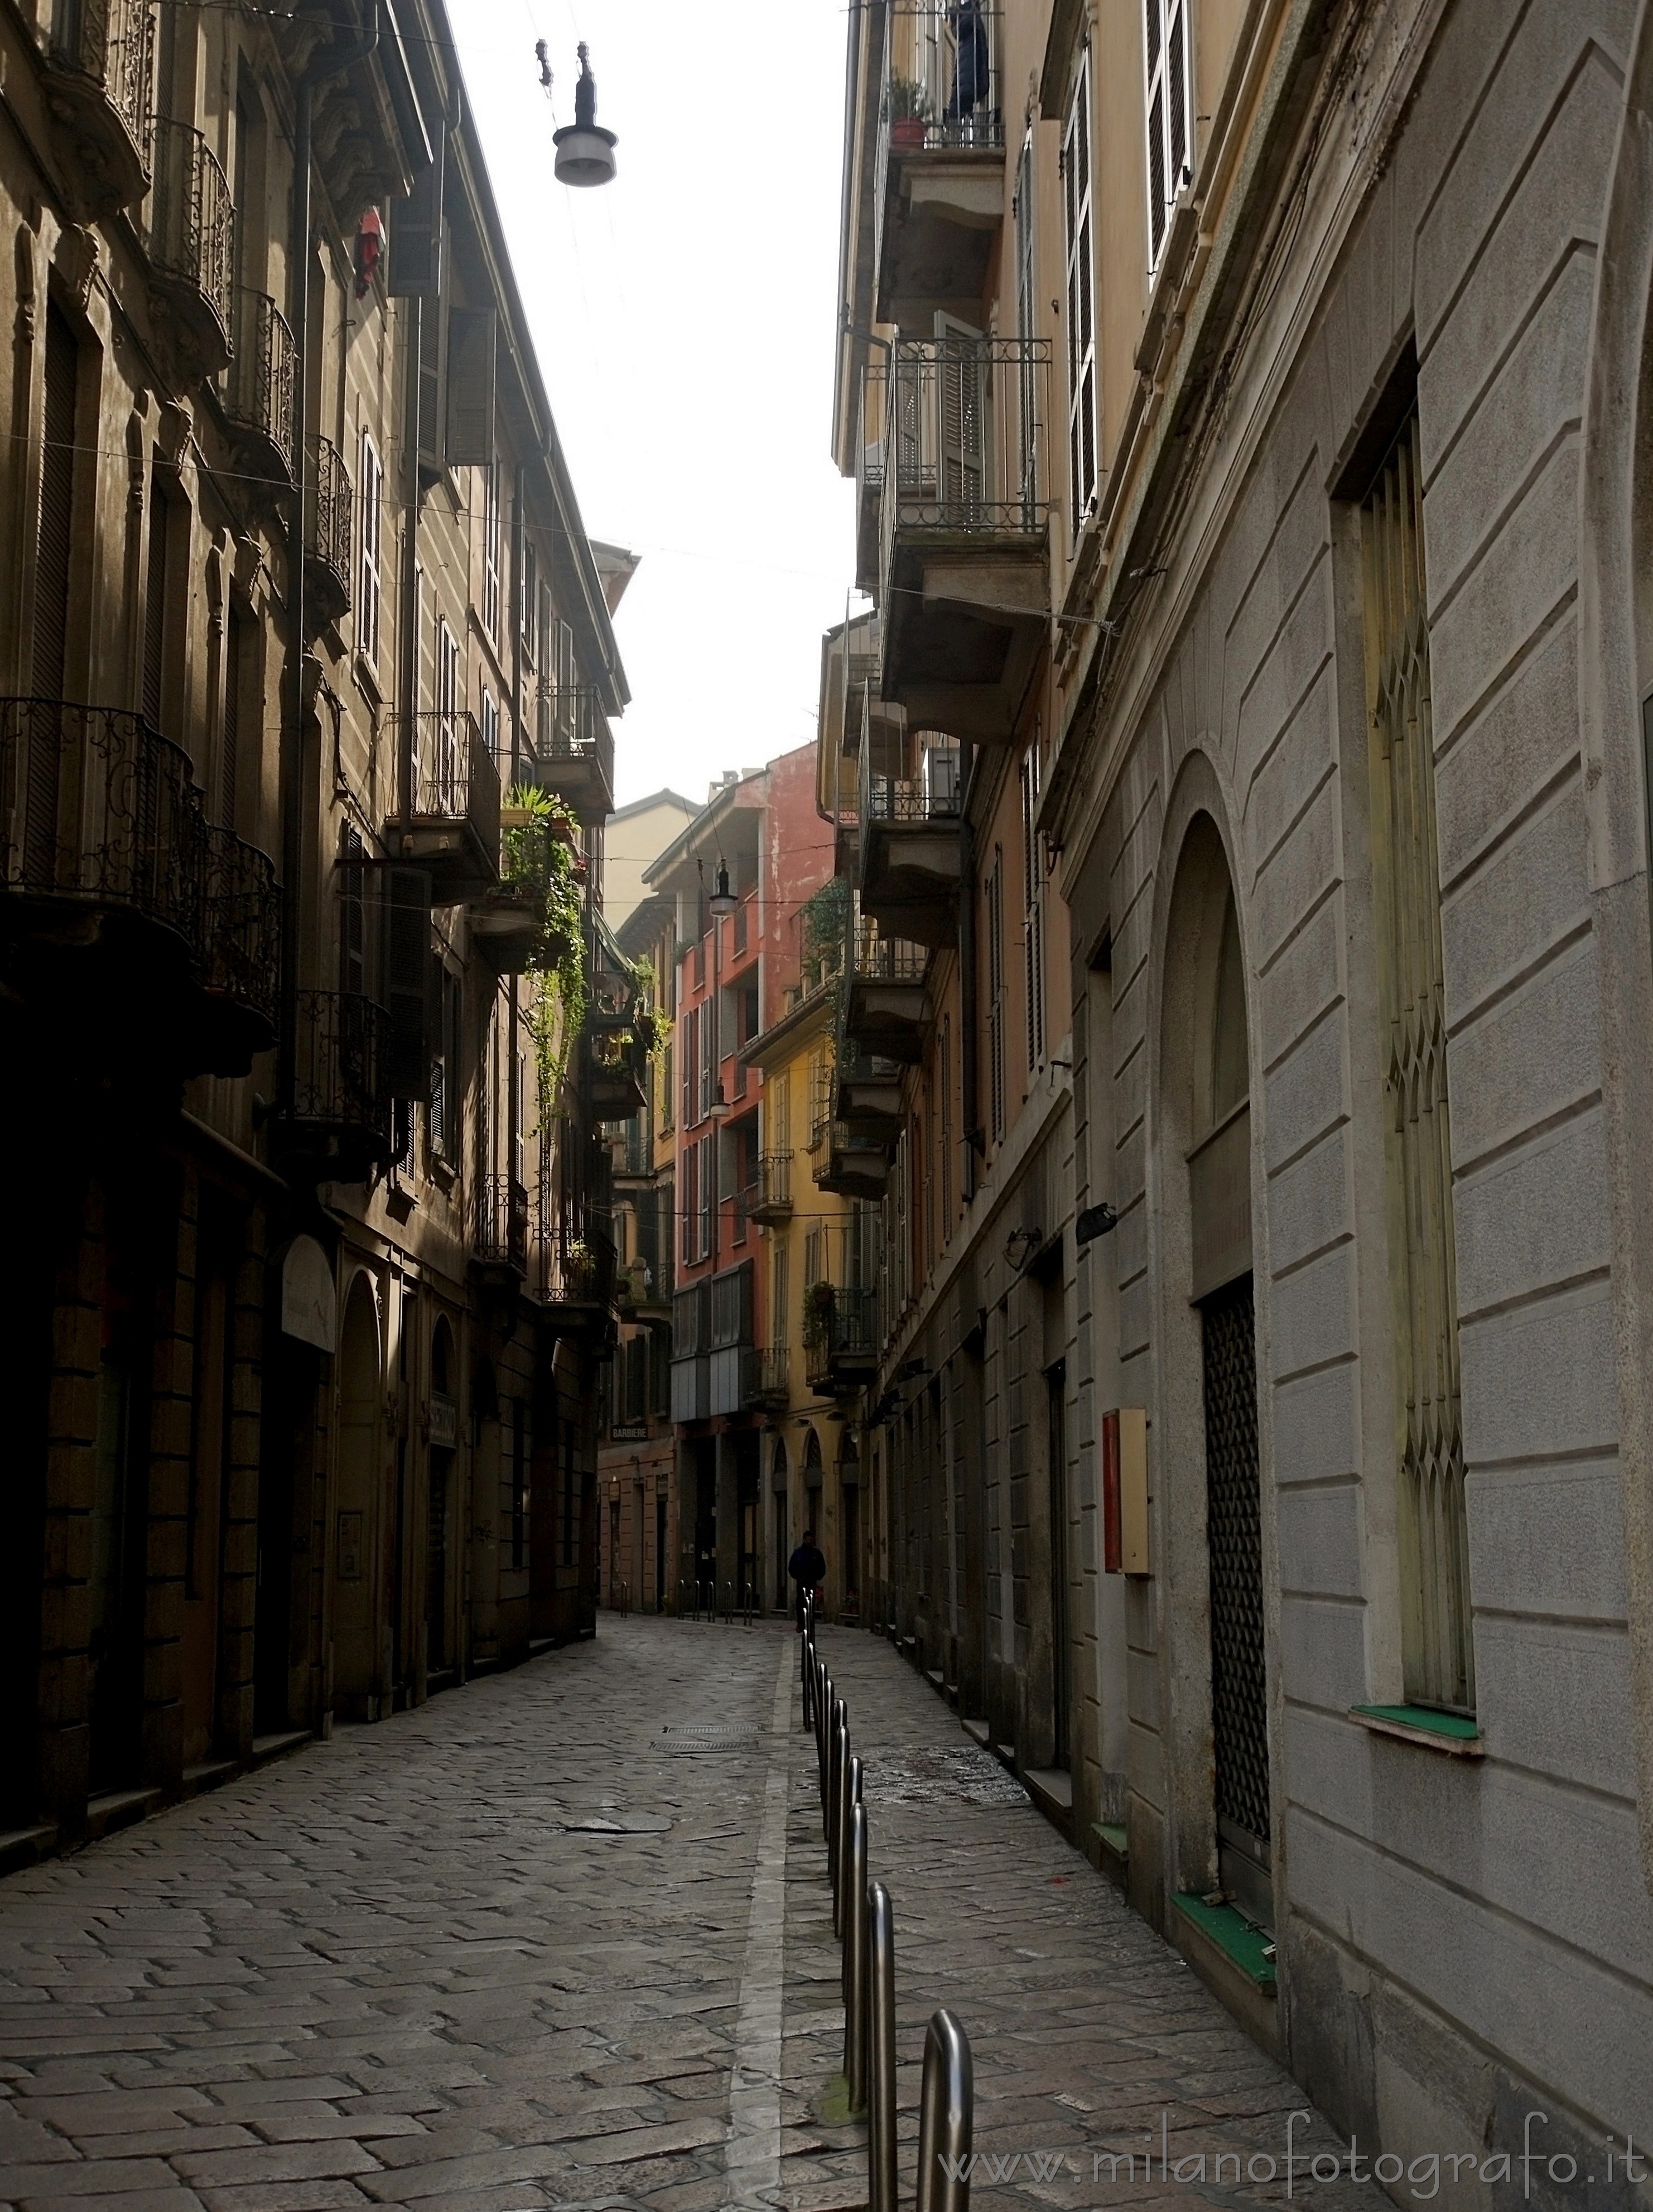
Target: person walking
[807, 1567]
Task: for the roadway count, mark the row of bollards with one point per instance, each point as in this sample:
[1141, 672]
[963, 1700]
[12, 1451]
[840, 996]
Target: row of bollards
[864, 1921]
[718, 1602]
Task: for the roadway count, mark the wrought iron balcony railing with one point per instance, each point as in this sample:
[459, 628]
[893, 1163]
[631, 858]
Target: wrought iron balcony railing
[97, 808]
[943, 86]
[885, 960]
[258, 385]
[327, 525]
[243, 916]
[341, 1075]
[191, 230]
[574, 1271]
[840, 1331]
[102, 54]
[573, 746]
[966, 450]
[933, 796]
[769, 1196]
[501, 1236]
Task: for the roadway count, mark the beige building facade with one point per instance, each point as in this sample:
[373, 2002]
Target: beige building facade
[304, 761]
[1244, 404]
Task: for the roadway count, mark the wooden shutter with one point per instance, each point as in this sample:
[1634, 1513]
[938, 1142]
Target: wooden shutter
[230, 748]
[409, 974]
[414, 262]
[433, 334]
[962, 420]
[154, 607]
[470, 349]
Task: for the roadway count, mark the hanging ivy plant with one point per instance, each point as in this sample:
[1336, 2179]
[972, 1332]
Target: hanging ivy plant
[541, 859]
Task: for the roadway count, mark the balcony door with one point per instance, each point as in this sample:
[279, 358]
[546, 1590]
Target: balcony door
[961, 455]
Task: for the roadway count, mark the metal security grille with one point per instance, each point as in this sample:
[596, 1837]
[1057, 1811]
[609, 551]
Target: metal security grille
[1238, 1692]
[1436, 1641]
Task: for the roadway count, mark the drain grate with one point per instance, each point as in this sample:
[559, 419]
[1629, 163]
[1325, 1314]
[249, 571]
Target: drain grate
[708, 1735]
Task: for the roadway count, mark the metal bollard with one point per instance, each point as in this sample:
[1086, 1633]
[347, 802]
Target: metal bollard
[880, 2050]
[806, 1657]
[946, 2117]
[849, 1795]
[854, 1890]
[823, 1728]
[837, 1752]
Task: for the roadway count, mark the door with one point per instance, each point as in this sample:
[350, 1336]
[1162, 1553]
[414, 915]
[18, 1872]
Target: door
[659, 1555]
[1061, 1626]
[963, 458]
[114, 1641]
[436, 1609]
[204, 1521]
[355, 1686]
[1239, 1701]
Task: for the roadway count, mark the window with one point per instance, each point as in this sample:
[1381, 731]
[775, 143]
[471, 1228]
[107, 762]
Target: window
[369, 582]
[352, 915]
[1081, 300]
[707, 1059]
[238, 632]
[528, 604]
[691, 1207]
[944, 1082]
[446, 767]
[707, 1195]
[1033, 907]
[1436, 1632]
[690, 1066]
[445, 1070]
[1168, 114]
[995, 898]
[490, 726]
[490, 550]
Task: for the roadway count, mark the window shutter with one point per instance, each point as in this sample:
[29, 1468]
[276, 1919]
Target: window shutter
[415, 259]
[409, 974]
[471, 347]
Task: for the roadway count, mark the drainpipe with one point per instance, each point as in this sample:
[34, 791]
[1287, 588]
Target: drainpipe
[968, 1072]
[525, 616]
[331, 63]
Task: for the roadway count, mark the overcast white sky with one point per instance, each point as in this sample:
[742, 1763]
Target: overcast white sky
[684, 316]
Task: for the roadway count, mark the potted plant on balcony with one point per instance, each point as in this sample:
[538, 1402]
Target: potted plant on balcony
[817, 1314]
[537, 861]
[908, 108]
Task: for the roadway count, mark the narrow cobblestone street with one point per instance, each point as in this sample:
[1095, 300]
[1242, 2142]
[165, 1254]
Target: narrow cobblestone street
[522, 1949]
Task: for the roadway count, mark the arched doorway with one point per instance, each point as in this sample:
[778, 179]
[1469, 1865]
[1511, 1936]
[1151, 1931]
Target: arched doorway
[356, 1520]
[438, 1506]
[1216, 1533]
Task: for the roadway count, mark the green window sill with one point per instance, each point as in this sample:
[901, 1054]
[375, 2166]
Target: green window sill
[1449, 1732]
[1251, 1948]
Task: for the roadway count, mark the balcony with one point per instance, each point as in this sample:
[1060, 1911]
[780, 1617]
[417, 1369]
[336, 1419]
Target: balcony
[940, 185]
[619, 1074]
[963, 570]
[771, 1382]
[242, 951]
[328, 525]
[840, 1336]
[341, 1115]
[869, 473]
[692, 1362]
[257, 386]
[769, 1198]
[122, 897]
[855, 1163]
[191, 243]
[101, 56]
[909, 857]
[885, 1015]
[868, 1092]
[573, 1279]
[499, 1251]
[453, 824]
[573, 750]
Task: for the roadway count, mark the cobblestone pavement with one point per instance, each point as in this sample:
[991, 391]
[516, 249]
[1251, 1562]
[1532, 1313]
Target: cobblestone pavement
[523, 1949]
